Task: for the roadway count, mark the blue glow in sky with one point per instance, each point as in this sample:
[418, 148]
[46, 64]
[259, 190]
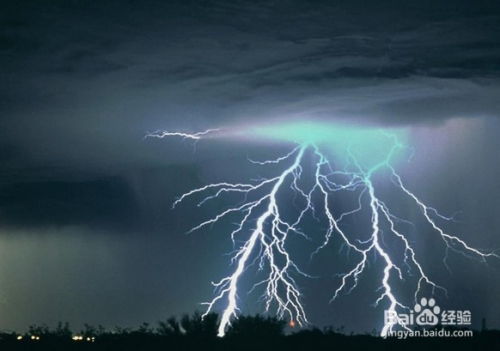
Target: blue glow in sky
[370, 146]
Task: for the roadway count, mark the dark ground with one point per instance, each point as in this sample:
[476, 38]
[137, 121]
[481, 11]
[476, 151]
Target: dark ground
[246, 333]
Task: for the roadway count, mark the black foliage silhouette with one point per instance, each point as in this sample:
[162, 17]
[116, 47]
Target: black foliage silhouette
[256, 327]
[257, 333]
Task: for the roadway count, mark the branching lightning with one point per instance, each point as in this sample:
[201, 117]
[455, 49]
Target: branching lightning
[192, 136]
[267, 230]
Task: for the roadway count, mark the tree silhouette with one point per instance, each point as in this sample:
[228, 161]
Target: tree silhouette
[169, 328]
[256, 327]
[198, 326]
[253, 333]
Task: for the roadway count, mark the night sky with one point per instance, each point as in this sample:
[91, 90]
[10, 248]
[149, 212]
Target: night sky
[87, 232]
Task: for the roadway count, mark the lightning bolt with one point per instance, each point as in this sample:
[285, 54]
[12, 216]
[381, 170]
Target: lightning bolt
[193, 136]
[267, 231]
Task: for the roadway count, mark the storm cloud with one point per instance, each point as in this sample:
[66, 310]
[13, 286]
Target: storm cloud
[82, 82]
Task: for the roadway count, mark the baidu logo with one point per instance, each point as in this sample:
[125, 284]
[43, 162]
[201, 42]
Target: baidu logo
[428, 312]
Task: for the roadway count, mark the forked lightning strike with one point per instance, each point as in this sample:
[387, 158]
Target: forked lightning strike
[265, 243]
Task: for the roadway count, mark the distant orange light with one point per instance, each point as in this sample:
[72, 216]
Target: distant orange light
[292, 324]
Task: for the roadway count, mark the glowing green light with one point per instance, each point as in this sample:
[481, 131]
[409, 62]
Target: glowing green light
[370, 147]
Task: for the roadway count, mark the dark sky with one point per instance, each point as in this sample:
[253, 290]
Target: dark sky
[87, 233]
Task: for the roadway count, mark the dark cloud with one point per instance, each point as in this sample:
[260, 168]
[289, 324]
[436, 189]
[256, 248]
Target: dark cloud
[98, 203]
[242, 52]
[76, 71]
